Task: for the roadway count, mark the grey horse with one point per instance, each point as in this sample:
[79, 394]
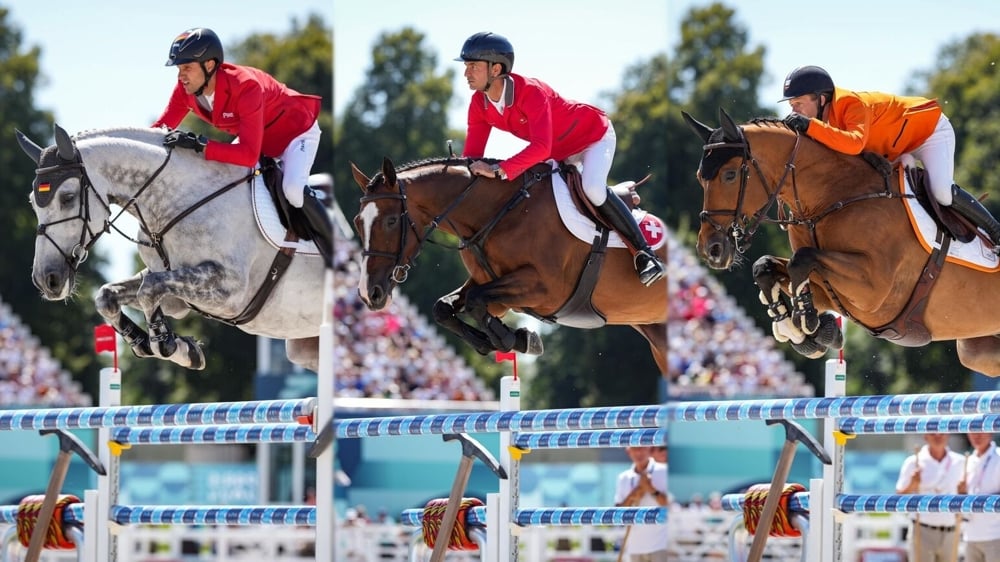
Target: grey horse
[200, 237]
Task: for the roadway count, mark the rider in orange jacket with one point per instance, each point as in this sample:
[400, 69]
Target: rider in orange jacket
[889, 125]
[267, 117]
[554, 127]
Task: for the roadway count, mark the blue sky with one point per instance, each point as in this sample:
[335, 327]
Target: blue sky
[865, 45]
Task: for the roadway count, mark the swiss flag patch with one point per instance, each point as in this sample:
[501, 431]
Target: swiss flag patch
[653, 230]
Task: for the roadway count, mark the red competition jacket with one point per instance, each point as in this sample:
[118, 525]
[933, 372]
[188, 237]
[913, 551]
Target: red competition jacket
[249, 103]
[553, 126]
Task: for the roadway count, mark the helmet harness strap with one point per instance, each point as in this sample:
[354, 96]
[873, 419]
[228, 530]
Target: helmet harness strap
[208, 75]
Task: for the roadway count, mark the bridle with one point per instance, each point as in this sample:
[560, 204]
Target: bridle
[742, 228]
[473, 243]
[75, 168]
[403, 263]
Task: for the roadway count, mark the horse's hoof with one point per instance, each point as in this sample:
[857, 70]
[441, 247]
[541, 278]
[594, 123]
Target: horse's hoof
[142, 350]
[528, 342]
[829, 334]
[810, 348]
[191, 353]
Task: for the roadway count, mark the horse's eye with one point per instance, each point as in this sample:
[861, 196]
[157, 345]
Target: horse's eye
[67, 197]
[391, 222]
[729, 176]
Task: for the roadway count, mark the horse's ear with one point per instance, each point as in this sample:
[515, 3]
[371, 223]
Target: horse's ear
[28, 146]
[359, 177]
[700, 129]
[730, 130]
[65, 144]
[388, 171]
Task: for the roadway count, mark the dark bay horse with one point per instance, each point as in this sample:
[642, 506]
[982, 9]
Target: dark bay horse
[854, 251]
[514, 245]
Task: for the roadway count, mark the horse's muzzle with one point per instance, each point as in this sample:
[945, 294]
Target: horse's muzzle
[717, 250]
[55, 283]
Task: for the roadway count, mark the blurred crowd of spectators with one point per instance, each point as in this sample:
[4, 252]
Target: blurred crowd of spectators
[29, 375]
[395, 352]
[716, 350]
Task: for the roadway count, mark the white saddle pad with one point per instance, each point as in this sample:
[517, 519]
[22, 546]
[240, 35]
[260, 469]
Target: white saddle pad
[269, 224]
[586, 230]
[975, 254]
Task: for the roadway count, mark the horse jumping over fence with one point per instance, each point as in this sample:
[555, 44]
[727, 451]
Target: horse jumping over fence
[854, 250]
[198, 237]
[514, 245]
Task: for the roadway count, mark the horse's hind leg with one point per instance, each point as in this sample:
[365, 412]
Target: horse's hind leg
[980, 354]
[303, 352]
[656, 335]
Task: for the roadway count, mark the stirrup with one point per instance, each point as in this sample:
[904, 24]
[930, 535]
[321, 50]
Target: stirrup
[650, 272]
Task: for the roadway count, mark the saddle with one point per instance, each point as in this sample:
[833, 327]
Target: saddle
[946, 219]
[292, 218]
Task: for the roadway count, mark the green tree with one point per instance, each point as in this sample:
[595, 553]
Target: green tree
[399, 111]
[64, 328]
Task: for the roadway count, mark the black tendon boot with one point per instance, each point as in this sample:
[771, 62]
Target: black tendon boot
[970, 208]
[319, 223]
[647, 265]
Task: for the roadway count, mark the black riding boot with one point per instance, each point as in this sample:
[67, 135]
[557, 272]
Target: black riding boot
[970, 208]
[319, 223]
[647, 265]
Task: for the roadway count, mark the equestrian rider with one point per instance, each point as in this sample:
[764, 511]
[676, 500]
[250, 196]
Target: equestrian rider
[554, 127]
[267, 117]
[852, 122]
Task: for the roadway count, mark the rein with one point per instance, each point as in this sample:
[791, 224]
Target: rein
[743, 227]
[474, 243]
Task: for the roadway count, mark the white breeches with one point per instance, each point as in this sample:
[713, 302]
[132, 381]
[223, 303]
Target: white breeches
[938, 156]
[297, 161]
[595, 161]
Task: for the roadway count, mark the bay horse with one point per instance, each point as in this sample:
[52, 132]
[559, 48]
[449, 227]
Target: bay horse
[198, 237]
[854, 251]
[512, 242]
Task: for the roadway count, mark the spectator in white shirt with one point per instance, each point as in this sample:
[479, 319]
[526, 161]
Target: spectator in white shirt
[934, 469]
[982, 477]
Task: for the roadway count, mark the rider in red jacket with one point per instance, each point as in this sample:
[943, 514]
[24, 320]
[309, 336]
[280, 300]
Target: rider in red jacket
[267, 117]
[554, 127]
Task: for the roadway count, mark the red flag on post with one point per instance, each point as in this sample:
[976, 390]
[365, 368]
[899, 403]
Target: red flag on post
[502, 356]
[105, 339]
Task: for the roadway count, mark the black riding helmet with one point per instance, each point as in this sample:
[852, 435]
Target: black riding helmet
[807, 80]
[200, 45]
[489, 47]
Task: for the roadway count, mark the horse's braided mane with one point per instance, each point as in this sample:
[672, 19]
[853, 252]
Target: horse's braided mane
[768, 121]
[438, 160]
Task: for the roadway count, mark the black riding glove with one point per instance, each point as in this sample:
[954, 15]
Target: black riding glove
[185, 139]
[797, 122]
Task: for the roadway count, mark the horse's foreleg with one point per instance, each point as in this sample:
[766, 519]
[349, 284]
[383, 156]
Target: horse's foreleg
[110, 300]
[203, 285]
[501, 336]
[772, 276]
[446, 311]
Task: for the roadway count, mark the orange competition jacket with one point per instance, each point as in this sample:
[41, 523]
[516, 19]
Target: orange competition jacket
[883, 123]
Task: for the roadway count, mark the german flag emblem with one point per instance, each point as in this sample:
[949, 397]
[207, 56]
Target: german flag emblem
[44, 187]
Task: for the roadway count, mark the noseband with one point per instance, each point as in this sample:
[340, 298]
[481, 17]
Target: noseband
[742, 228]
